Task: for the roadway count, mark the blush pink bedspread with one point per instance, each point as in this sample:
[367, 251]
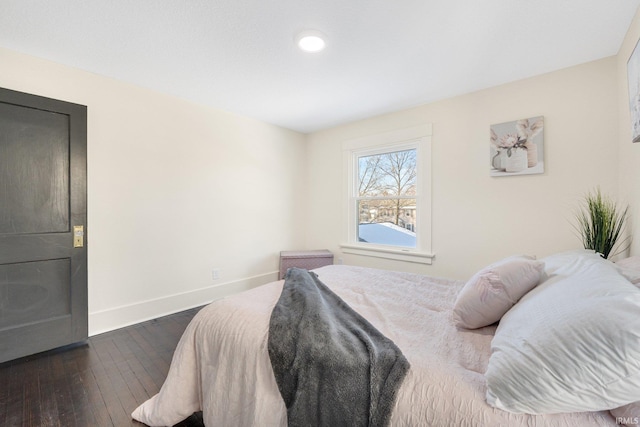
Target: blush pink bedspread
[221, 365]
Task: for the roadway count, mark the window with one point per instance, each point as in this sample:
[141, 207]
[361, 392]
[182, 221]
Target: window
[389, 195]
[386, 195]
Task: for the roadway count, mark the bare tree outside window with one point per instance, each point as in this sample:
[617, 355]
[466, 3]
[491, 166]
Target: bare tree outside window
[387, 190]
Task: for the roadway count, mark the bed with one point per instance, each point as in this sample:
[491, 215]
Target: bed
[221, 365]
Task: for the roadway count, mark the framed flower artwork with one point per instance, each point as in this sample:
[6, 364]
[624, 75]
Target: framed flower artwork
[516, 148]
[633, 78]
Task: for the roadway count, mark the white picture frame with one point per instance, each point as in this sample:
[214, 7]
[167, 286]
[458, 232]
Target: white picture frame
[633, 79]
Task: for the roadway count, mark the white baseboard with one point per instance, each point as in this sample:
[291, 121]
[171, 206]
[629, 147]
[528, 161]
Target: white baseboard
[126, 315]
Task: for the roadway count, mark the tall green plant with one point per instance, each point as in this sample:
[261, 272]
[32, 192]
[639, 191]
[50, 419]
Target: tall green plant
[601, 223]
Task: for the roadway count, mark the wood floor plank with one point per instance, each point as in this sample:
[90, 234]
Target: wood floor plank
[30, 394]
[62, 392]
[83, 413]
[138, 366]
[131, 390]
[15, 397]
[48, 404]
[110, 385]
[158, 356]
[140, 384]
[4, 395]
[146, 359]
[94, 397]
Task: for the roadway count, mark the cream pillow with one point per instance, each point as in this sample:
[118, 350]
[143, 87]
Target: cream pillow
[572, 344]
[492, 291]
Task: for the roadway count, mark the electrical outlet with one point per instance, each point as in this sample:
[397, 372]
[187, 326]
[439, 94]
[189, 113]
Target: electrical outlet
[215, 274]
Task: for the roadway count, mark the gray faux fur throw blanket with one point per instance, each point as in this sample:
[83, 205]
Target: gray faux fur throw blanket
[333, 368]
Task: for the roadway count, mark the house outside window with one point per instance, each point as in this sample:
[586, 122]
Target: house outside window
[388, 196]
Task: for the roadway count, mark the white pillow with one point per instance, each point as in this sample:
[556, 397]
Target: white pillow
[492, 291]
[571, 344]
[630, 269]
[564, 260]
[630, 262]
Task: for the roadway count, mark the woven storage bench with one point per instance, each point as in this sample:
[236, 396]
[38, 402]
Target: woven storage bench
[304, 259]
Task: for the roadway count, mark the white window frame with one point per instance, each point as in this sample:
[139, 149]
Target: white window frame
[418, 137]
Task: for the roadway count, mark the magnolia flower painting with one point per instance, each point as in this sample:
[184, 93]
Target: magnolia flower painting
[516, 148]
[633, 78]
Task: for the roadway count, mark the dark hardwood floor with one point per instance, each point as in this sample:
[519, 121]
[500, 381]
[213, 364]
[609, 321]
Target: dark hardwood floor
[97, 383]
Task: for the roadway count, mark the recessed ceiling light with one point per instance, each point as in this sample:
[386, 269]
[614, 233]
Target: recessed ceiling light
[311, 41]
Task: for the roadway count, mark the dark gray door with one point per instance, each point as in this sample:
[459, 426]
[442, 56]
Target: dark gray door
[43, 261]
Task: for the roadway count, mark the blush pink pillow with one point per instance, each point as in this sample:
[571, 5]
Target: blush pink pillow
[492, 291]
[628, 414]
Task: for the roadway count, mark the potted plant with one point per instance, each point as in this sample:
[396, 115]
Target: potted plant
[601, 223]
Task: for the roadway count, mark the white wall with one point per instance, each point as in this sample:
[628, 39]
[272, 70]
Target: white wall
[629, 153]
[478, 219]
[174, 190]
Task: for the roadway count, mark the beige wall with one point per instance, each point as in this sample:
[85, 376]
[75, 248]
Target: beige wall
[174, 190]
[629, 153]
[478, 219]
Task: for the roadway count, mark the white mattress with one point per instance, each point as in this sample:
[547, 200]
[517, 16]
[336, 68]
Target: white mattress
[221, 365]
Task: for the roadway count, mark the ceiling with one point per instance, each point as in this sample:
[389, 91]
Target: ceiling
[381, 55]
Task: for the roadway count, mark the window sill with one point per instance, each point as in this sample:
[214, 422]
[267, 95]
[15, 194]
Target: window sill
[388, 253]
